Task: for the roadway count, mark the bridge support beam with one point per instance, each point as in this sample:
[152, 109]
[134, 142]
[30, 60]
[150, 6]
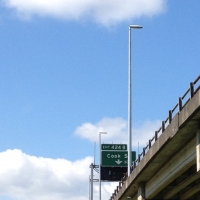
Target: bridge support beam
[198, 149]
[141, 191]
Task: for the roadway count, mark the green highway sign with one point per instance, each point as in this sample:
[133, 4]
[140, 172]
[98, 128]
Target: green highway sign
[114, 147]
[116, 158]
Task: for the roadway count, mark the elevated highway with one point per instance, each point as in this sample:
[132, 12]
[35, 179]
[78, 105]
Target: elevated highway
[169, 166]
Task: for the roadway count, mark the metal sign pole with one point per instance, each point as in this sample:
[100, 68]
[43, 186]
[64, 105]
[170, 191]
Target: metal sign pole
[92, 167]
[89, 188]
[100, 163]
[99, 166]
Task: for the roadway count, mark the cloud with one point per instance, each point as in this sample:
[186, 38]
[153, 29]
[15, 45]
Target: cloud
[116, 129]
[25, 177]
[105, 12]
[144, 131]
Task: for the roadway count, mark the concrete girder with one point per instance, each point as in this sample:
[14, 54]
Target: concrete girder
[190, 192]
[181, 185]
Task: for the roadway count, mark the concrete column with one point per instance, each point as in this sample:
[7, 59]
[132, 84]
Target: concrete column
[198, 149]
[198, 135]
[141, 191]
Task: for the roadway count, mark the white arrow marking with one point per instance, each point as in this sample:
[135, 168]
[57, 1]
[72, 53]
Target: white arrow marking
[118, 161]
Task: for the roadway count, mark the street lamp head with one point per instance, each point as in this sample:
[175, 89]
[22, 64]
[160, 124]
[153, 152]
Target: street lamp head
[135, 26]
[102, 132]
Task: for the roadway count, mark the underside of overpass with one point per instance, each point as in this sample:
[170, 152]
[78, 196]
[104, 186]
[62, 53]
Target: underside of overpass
[185, 186]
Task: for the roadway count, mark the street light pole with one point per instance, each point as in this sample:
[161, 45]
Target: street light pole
[91, 181]
[100, 163]
[130, 101]
[89, 188]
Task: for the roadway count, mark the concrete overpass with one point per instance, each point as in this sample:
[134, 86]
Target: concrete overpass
[169, 166]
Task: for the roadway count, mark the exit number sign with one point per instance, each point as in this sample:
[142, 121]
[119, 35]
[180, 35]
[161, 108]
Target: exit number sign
[113, 147]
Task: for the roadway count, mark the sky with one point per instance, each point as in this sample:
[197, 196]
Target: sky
[64, 79]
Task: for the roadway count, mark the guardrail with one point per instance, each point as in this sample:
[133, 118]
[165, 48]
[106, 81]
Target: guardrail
[182, 101]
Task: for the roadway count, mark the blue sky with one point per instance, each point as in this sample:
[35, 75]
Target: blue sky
[64, 77]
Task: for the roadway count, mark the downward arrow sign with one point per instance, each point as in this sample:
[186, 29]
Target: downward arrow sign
[118, 161]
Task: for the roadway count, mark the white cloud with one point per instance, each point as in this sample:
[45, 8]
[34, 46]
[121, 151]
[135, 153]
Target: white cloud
[116, 129]
[144, 131]
[25, 177]
[105, 12]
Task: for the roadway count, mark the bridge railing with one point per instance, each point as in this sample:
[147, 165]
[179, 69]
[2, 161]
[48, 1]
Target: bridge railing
[182, 101]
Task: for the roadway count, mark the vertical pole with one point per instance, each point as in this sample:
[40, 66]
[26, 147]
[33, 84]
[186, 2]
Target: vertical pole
[180, 103]
[99, 166]
[198, 136]
[100, 163]
[92, 167]
[89, 187]
[163, 126]
[141, 191]
[129, 107]
[130, 102]
[191, 90]
[170, 116]
[198, 149]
